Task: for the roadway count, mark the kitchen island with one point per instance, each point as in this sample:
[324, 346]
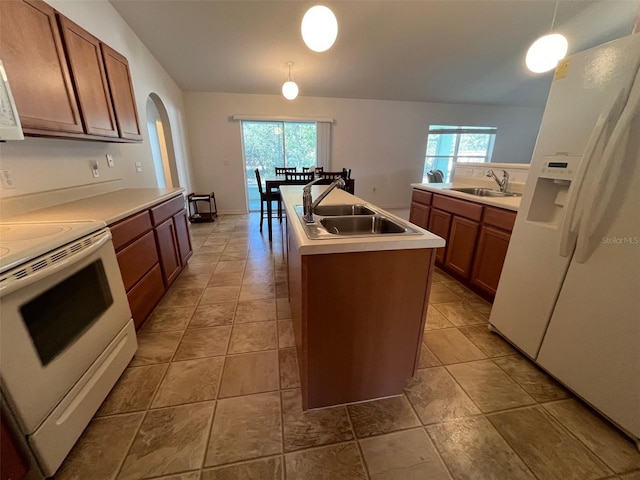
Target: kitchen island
[358, 305]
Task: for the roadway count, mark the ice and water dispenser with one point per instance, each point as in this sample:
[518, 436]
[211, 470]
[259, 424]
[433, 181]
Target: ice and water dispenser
[551, 193]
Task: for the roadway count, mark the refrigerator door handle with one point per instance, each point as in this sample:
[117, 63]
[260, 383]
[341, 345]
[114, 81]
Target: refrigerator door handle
[606, 175]
[572, 217]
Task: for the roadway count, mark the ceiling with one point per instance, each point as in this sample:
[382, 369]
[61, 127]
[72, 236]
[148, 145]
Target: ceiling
[452, 51]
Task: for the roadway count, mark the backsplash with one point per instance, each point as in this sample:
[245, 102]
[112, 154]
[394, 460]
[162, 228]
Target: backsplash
[474, 174]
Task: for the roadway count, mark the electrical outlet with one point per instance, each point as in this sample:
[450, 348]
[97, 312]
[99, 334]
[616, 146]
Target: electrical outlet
[110, 160]
[139, 167]
[94, 169]
[7, 179]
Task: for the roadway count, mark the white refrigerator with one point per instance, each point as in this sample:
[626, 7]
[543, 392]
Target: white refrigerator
[569, 293]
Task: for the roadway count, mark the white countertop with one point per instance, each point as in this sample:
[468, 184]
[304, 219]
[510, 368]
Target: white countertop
[508, 203]
[292, 195]
[107, 207]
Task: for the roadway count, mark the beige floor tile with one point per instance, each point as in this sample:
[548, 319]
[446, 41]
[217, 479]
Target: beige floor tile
[547, 449]
[450, 346]
[382, 416]
[610, 445]
[427, 358]
[181, 297]
[170, 440]
[155, 348]
[253, 337]
[215, 245]
[631, 476]
[245, 428]
[232, 266]
[225, 279]
[134, 390]
[219, 295]
[166, 319]
[181, 476]
[473, 449]
[192, 281]
[403, 455]
[206, 255]
[436, 396]
[257, 291]
[439, 276]
[283, 308]
[259, 276]
[440, 293]
[435, 320]
[260, 263]
[461, 313]
[250, 373]
[256, 311]
[233, 256]
[286, 338]
[282, 289]
[263, 469]
[460, 290]
[198, 269]
[481, 305]
[203, 342]
[213, 315]
[488, 386]
[313, 427]
[190, 381]
[335, 462]
[289, 375]
[491, 344]
[537, 383]
[101, 449]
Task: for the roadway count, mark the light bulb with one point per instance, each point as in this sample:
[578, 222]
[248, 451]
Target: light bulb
[545, 53]
[319, 28]
[289, 90]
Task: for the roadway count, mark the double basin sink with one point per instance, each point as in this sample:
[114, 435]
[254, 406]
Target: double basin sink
[484, 192]
[332, 221]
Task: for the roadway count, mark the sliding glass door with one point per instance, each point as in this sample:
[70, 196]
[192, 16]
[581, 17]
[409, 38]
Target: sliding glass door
[270, 144]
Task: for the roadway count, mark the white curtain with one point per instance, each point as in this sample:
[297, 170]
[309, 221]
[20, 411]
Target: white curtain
[323, 131]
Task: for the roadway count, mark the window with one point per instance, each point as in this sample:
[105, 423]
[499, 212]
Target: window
[449, 144]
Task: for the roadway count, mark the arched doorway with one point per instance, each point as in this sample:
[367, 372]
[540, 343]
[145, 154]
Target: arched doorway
[160, 138]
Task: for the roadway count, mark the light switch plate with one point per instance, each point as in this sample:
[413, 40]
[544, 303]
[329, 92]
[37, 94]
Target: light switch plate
[110, 160]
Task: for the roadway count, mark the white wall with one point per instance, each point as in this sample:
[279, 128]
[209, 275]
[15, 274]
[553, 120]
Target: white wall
[383, 142]
[45, 164]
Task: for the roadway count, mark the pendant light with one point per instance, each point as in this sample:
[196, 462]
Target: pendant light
[289, 88]
[545, 53]
[319, 28]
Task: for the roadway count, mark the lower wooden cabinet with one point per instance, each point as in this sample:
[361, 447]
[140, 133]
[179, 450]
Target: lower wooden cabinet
[146, 294]
[168, 251]
[490, 255]
[419, 215]
[13, 462]
[440, 223]
[181, 222]
[462, 241]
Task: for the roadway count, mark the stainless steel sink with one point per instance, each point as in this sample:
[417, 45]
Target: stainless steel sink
[342, 210]
[485, 192]
[361, 225]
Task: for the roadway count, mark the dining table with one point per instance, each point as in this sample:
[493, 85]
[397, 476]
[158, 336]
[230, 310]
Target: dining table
[272, 184]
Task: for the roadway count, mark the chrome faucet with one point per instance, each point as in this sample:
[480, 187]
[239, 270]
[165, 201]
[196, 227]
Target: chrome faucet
[307, 202]
[501, 183]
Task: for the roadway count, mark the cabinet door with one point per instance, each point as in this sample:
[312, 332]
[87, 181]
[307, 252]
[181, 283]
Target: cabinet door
[37, 69]
[87, 68]
[124, 101]
[490, 255]
[439, 223]
[184, 240]
[168, 250]
[13, 464]
[462, 245]
[419, 215]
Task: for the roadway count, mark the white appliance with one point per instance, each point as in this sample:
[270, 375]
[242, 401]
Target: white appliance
[66, 331]
[10, 126]
[569, 293]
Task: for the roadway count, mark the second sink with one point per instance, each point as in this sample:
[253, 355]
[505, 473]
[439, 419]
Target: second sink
[372, 224]
[342, 210]
[485, 192]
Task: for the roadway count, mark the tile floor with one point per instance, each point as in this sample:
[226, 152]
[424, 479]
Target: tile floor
[212, 393]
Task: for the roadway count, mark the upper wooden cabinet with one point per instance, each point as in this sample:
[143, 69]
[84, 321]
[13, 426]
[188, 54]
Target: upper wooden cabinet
[63, 81]
[124, 100]
[34, 58]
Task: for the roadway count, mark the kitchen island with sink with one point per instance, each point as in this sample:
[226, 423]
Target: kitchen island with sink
[358, 301]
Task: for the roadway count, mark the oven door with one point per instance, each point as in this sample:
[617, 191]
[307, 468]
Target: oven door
[59, 313]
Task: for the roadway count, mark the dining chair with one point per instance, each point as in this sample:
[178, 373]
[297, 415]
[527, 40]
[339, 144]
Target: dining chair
[315, 169]
[283, 170]
[299, 178]
[333, 175]
[275, 196]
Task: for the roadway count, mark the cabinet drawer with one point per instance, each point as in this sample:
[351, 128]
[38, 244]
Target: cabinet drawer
[127, 230]
[462, 208]
[422, 197]
[497, 217]
[165, 210]
[146, 295]
[137, 259]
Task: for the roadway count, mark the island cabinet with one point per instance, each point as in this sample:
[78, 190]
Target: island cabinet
[152, 246]
[65, 82]
[358, 319]
[477, 237]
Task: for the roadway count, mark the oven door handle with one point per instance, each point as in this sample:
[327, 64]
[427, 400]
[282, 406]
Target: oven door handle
[10, 283]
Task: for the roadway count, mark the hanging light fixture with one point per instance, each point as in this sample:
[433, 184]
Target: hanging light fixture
[545, 53]
[319, 28]
[289, 88]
